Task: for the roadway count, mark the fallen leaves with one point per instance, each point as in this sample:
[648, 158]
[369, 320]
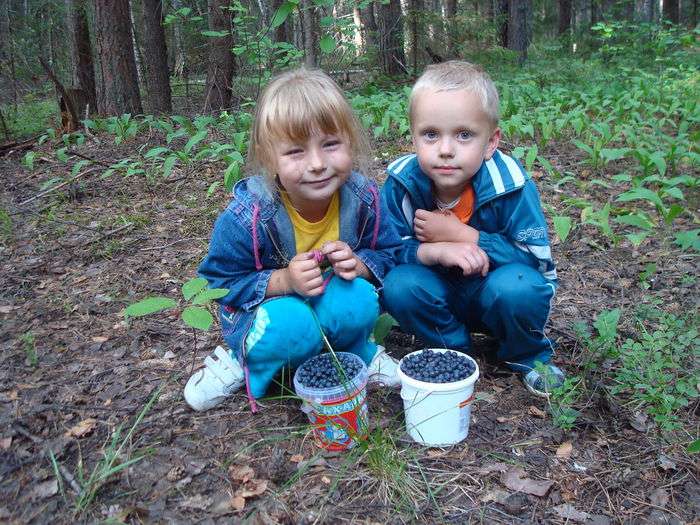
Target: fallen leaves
[492, 467]
[537, 412]
[659, 497]
[82, 429]
[45, 489]
[569, 512]
[250, 487]
[516, 479]
[564, 450]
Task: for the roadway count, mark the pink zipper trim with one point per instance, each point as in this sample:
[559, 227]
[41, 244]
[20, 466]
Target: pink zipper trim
[256, 245]
[377, 212]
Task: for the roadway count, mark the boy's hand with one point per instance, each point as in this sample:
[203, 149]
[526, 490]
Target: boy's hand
[442, 226]
[345, 263]
[467, 256]
[304, 275]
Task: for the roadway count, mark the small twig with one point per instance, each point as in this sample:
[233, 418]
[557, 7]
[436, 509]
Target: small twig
[112, 232]
[57, 187]
[47, 452]
[96, 161]
[158, 248]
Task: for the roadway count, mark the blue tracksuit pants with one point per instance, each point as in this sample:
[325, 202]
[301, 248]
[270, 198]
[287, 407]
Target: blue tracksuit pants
[512, 303]
[286, 331]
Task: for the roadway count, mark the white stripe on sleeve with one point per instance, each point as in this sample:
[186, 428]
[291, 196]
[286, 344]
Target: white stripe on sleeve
[400, 163]
[514, 170]
[496, 178]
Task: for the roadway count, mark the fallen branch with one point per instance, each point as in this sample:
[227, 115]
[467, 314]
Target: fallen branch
[58, 186]
[112, 232]
[7, 148]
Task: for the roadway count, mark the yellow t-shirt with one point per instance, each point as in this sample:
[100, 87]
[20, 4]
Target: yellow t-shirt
[311, 235]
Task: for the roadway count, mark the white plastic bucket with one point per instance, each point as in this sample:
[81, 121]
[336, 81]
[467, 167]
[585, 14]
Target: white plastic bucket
[437, 414]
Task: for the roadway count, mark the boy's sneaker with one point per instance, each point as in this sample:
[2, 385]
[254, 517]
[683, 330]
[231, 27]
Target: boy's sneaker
[215, 382]
[542, 380]
[383, 369]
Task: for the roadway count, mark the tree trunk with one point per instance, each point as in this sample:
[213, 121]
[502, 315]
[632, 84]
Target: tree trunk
[671, 11]
[281, 32]
[595, 12]
[118, 89]
[179, 65]
[450, 30]
[645, 10]
[307, 26]
[504, 15]
[564, 16]
[415, 11]
[220, 65]
[156, 60]
[136, 38]
[369, 26]
[392, 57]
[83, 72]
[518, 34]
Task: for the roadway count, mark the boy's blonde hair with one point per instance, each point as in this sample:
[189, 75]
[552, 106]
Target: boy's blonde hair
[455, 75]
[297, 104]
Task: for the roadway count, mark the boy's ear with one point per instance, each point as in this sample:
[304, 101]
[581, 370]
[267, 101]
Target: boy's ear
[494, 141]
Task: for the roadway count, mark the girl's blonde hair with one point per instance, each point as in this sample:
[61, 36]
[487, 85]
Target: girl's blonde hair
[454, 75]
[297, 104]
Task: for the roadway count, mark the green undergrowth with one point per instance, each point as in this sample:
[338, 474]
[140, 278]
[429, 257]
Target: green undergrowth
[654, 372]
[29, 118]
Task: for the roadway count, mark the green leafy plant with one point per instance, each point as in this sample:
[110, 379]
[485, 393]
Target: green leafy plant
[196, 296]
[656, 371]
[562, 401]
[5, 226]
[29, 346]
[382, 327]
[562, 226]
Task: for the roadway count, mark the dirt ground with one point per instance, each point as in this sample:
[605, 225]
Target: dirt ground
[77, 256]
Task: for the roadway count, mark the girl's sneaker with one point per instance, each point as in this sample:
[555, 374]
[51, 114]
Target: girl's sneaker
[383, 369]
[543, 379]
[215, 382]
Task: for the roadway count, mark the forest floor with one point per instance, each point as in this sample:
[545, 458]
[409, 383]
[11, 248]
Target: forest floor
[73, 370]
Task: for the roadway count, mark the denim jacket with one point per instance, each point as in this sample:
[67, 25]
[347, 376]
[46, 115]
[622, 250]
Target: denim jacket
[507, 211]
[254, 236]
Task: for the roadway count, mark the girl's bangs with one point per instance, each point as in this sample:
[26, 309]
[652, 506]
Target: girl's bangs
[297, 120]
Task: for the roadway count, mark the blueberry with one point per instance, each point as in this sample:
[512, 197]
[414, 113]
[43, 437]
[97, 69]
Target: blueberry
[437, 367]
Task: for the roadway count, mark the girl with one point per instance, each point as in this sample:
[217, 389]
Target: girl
[300, 247]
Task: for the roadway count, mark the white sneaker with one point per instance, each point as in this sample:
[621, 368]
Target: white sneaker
[215, 382]
[383, 370]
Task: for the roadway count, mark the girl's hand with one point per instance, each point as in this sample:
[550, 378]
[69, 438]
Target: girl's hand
[304, 275]
[345, 263]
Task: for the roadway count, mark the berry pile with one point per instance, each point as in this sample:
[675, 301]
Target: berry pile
[437, 367]
[323, 371]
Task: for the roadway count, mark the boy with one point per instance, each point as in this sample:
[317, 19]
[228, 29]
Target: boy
[475, 252]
